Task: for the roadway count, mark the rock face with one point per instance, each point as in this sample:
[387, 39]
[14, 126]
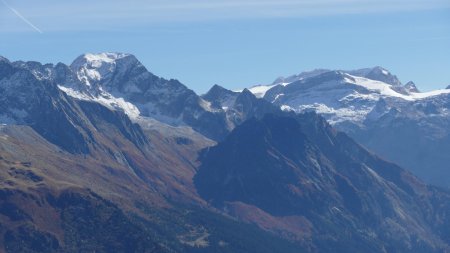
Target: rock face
[298, 166]
[238, 106]
[411, 87]
[396, 121]
[31, 98]
[28, 100]
[378, 74]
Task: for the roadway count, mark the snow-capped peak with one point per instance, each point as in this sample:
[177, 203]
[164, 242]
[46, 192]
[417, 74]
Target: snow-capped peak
[301, 76]
[95, 67]
[260, 90]
[106, 56]
[96, 73]
[381, 70]
[96, 60]
[377, 73]
[342, 96]
[411, 87]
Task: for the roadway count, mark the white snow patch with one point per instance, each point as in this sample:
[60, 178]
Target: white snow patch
[115, 103]
[336, 115]
[422, 95]
[97, 59]
[286, 108]
[386, 89]
[260, 90]
[377, 86]
[278, 96]
[119, 103]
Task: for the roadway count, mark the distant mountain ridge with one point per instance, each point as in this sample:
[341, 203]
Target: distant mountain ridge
[120, 82]
[396, 121]
[103, 155]
[352, 88]
[369, 104]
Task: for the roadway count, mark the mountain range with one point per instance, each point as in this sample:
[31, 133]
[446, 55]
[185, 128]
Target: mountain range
[102, 155]
[395, 120]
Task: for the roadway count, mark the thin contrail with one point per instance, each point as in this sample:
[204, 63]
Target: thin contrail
[22, 17]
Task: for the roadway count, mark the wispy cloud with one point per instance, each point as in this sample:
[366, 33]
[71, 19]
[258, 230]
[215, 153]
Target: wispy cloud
[17, 13]
[105, 14]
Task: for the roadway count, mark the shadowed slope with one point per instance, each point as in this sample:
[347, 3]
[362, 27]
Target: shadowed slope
[298, 166]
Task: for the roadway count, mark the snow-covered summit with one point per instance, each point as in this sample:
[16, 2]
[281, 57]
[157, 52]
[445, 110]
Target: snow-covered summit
[104, 57]
[411, 87]
[97, 60]
[93, 68]
[376, 73]
[342, 96]
[260, 90]
[301, 76]
[121, 82]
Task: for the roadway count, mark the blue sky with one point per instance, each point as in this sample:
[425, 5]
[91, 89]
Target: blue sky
[238, 43]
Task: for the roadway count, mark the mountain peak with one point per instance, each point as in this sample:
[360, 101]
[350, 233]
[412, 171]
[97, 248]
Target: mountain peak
[302, 75]
[91, 68]
[106, 57]
[218, 92]
[3, 59]
[377, 73]
[99, 60]
[247, 93]
[5, 67]
[381, 69]
[218, 89]
[411, 87]
[381, 74]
